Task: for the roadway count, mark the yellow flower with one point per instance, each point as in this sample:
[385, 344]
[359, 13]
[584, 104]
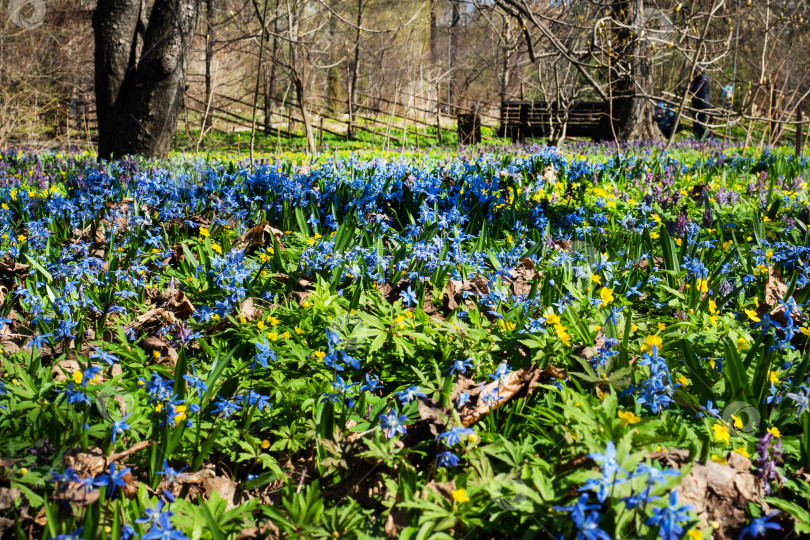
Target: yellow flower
[703, 285]
[662, 326]
[265, 444]
[742, 451]
[721, 433]
[752, 315]
[773, 376]
[179, 413]
[719, 459]
[712, 307]
[774, 431]
[562, 334]
[738, 423]
[805, 330]
[742, 345]
[552, 318]
[627, 417]
[651, 341]
[260, 325]
[633, 328]
[319, 354]
[596, 278]
[298, 331]
[273, 336]
[694, 534]
[77, 377]
[216, 247]
[460, 495]
[683, 380]
[204, 232]
[607, 296]
[23, 471]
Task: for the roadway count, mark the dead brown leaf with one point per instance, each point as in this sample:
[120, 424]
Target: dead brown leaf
[10, 267]
[775, 290]
[65, 368]
[172, 300]
[517, 383]
[267, 530]
[249, 311]
[8, 496]
[151, 321]
[442, 489]
[522, 277]
[196, 477]
[718, 492]
[260, 235]
[225, 487]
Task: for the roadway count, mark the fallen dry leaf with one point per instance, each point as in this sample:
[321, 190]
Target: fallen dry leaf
[8, 496]
[517, 383]
[172, 300]
[718, 492]
[260, 235]
[225, 487]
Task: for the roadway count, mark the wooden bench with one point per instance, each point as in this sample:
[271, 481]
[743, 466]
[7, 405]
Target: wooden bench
[524, 119]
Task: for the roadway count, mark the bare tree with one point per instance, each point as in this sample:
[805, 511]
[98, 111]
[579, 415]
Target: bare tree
[140, 73]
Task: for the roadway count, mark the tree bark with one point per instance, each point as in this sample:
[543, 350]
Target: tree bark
[630, 76]
[138, 96]
[209, 56]
[354, 67]
[452, 53]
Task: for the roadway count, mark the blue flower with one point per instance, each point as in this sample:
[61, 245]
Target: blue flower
[119, 427]
[447, 459]
[105, 356]
[39, 340]
[409, 394]
[454, 435]
[393, 423]
[578, 509]
[264, 353]
[669, 518]
[409, 296]
[112, 480]
[589, 528]
[654, 475]
[170, 473]
[759, 526]
[75, 535]
[372, 383]
[610, 471]
[461, 366]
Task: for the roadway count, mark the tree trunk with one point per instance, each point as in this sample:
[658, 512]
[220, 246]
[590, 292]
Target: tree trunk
[270, 83]
[433, 35]
[209, 56]
[452, 54]
[630, 76]
[302, 106]
[138, 97]
[353, 69]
